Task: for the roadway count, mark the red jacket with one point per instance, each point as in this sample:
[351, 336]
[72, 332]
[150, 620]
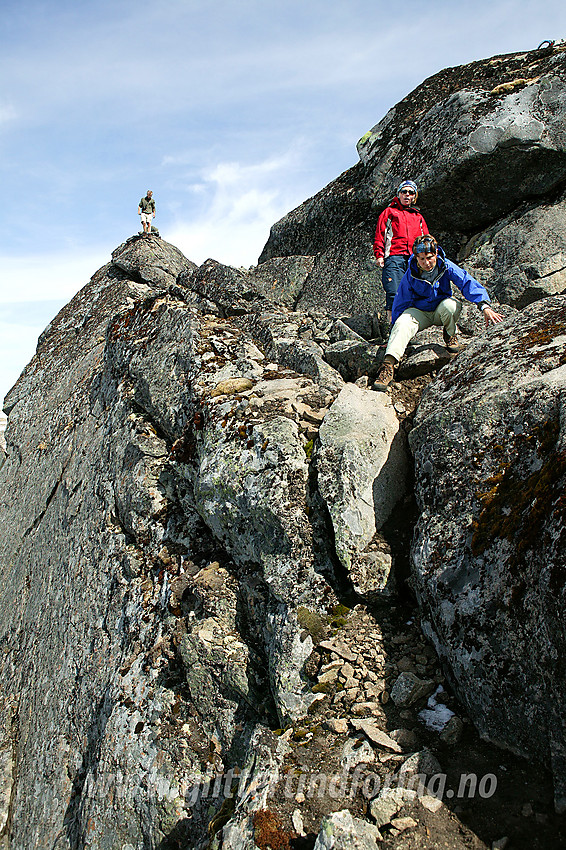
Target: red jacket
[397, 229]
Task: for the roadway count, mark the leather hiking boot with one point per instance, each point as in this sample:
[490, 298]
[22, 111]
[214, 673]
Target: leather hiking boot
[384, 378]
[451, 342]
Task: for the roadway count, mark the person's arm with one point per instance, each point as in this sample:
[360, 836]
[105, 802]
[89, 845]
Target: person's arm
[474, 292]
[378, 242]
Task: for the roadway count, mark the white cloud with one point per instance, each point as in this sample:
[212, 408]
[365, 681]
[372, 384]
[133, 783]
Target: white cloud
[239, 205]
[32, 291]
[17, 347]
[48, 276]
[7, 113]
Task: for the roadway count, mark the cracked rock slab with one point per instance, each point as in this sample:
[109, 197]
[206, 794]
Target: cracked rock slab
[362, 467]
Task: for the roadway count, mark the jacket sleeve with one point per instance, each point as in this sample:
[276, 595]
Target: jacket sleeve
[403, 299]
[471, 289]
[378, 242]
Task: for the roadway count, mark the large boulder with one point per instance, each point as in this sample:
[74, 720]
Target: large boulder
[362, 470]
[279, 334]
[281, 279]
[489, 560]
[151, 260]
[522, 258]
[501, 131]
[236, 292]
[230, 289]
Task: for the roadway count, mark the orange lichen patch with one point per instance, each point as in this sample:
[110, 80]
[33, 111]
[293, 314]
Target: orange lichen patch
[517, 509]
[543, 335]
[513, 85]
[268, 831]
[121, 323]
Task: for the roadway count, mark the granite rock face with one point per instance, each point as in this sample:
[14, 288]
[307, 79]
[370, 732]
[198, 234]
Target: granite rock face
[165, 571]
[523, 258]
[144, 588]
[489, 553]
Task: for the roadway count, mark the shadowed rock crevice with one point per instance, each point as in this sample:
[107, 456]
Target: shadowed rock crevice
[75, 823]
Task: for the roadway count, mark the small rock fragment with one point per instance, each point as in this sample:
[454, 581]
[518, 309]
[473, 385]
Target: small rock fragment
[452, 732]
[298, 823]
[405, 737]
[336, 724]
[231, 386]
[388, 802]
[431, 804]
[339, 649]
[423, 762]
[376, 735]
[409, 689]
[402, 824]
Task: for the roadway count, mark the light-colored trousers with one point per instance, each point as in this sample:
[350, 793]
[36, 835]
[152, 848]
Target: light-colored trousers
[412, 321]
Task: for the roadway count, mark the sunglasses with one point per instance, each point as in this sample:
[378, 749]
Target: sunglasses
[406, 192]
[424, 248]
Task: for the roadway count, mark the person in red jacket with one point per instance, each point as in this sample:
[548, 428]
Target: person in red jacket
[397, 228]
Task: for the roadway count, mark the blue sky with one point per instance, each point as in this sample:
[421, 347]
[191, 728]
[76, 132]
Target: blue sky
[232, 112]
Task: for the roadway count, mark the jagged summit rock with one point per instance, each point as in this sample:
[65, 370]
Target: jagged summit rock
[166, 540]
[151, 260]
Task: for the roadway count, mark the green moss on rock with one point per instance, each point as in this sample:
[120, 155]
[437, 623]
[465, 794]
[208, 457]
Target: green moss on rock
[314, 624]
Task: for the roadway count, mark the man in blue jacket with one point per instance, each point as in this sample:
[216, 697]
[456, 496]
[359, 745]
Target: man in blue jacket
[424, 298]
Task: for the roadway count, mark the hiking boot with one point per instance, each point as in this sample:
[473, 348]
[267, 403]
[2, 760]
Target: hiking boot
[451, 342]
[384, 378]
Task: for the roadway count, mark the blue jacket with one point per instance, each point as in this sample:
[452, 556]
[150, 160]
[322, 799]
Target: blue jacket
[416, 292]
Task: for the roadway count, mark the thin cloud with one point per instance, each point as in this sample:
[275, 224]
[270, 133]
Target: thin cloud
[47, 276]
[239, 204]
[19, 331]
[7, 113]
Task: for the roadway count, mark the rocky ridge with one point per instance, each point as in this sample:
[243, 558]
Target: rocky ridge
[208, 633]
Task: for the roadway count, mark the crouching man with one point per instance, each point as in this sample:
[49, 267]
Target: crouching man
[424, 298]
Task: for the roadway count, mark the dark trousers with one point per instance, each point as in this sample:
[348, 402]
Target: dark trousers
[394, 267]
